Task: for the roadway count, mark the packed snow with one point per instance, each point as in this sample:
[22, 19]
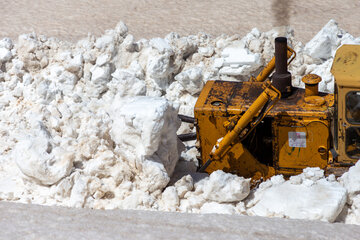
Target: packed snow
[308, 196]
[94, 124]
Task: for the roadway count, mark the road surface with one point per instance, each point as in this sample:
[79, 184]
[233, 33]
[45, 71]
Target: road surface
[20, 221]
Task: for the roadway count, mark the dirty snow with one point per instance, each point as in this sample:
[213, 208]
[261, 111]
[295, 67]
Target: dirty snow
[94, 124]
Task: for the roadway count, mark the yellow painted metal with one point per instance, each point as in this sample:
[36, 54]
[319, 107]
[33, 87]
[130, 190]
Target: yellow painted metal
[221, 103]
[292, 156]
[242, 128]
[346, 70]
[346, 66]
[269, 68]
[315, 101]
[311, 84]
[269, 94]
[344, 124]
[237, 160]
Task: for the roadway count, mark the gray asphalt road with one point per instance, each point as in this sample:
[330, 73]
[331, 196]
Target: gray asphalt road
[72, 20]
[20, 221]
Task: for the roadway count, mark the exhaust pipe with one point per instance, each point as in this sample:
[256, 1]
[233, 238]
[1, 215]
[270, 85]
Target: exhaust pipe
[281, 79]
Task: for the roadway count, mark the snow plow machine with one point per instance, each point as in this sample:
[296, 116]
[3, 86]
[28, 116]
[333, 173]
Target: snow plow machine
[263, 127]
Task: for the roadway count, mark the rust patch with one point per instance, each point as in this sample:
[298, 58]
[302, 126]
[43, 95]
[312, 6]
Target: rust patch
[212, 120]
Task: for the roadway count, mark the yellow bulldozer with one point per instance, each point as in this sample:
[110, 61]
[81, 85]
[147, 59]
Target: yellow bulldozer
[263, 127]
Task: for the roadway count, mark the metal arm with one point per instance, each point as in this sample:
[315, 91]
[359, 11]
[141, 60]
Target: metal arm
[259, 109]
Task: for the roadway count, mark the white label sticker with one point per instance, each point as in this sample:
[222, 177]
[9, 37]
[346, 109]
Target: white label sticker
[297, 139]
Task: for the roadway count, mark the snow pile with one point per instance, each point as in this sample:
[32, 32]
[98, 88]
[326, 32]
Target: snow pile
[323, 46]
[94, 124]
[77, 129]
[306, 196]
[351, 181]
[317, 55]
[219, 193]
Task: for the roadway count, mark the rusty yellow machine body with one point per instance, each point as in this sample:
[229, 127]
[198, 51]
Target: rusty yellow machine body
[346, 71]
[245, 128]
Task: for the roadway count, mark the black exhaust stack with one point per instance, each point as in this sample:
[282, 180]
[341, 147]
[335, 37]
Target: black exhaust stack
[281, 79]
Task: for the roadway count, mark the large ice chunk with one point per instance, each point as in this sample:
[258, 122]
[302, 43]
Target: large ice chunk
[306, 196]
[351, 180]
[40, 159]
[325, 42]
[5, 54]
[144, 129]
[224, 187]
[126, 83]
[191, 80]
[234, 56]
[161, 45]
[239, 61]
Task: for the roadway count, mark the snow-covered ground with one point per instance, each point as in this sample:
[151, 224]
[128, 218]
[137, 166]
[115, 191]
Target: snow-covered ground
[94, 124]
[20, 221]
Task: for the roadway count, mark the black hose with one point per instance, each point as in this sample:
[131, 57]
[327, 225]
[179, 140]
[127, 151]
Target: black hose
[187, 137]
[187, 119]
